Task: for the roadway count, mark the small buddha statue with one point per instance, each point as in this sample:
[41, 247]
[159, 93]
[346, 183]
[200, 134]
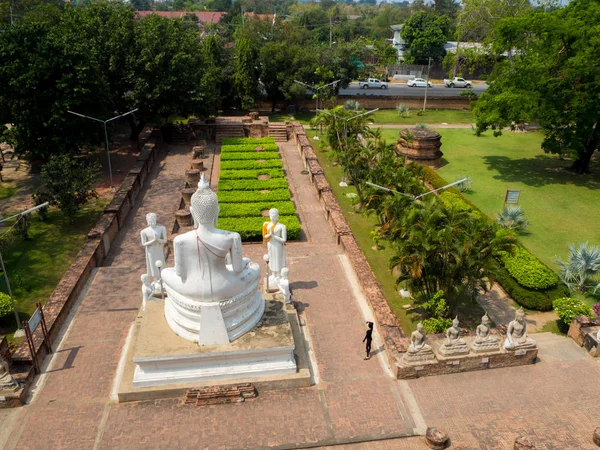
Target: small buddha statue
[7, 382]
[454, 344]
[516, 333]
[418, 352]
[154, 238]
[485, 341]
[284, 285]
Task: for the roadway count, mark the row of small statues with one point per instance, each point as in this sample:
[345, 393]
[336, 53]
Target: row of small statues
[485, 340]
[154, 238]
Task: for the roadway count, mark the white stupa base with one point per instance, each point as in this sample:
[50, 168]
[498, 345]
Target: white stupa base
[162, 358]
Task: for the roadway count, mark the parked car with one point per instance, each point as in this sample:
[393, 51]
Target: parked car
[372, 83]
[419, 82]
[457, 82]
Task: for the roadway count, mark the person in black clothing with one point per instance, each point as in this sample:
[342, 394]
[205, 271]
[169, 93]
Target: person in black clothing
[369, 339]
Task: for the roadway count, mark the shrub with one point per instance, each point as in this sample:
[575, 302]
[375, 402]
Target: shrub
[251, 174]
[249, 148]
[567, 309]
[529, 271]
[352, 105]
[451, 199]
[435, 325]
[238, 141]
[255, 209]
[537, 300]
[596, 309]
[466, 185]
[583, 263]
[436, 306]
[277, 195]
[251, 165]
[512, 217]
[421, 126]
[5, 304]
[250, 228]
[252, 185]
[403, 110]
[249, 156]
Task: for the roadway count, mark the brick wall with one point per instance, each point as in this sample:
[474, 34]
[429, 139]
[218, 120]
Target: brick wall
[395, 341]
[92, 252]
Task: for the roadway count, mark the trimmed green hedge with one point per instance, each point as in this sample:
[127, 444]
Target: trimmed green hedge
[432, 177]
[278, 195]
[238, 141]
[529, 271]
[252, 185]
[249, 148]
[252, 174]
[249, 156]
[250, 228]
[538, 300]
[255, 209]
[251, 165]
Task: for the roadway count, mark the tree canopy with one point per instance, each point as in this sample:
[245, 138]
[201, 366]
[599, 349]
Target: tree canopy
[550, 77]
[425, 34]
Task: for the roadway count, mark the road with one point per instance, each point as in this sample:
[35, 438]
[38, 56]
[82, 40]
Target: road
[402, 90]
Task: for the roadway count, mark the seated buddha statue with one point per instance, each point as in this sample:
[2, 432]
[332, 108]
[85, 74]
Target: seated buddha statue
[516, 333]
[418, 351]
[485, 341]
[454, 344]
[212, 292]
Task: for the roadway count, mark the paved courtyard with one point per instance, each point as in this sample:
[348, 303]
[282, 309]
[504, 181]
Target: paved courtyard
[355, 404]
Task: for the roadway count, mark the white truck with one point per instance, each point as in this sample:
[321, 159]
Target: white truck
[457, 82]
[372, 83]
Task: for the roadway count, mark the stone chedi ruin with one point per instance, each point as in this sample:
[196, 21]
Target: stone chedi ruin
[213, 324]
[421, 145]
[212, 292]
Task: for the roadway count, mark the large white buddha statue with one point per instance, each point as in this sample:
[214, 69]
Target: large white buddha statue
[212, 292]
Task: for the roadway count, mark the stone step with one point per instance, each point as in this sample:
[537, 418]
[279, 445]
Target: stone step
[214, 395]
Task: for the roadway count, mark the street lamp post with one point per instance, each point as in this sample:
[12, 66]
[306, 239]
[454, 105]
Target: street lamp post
[426, 85]
[316, 89]
[19, 331]
[104, 122]
[348, 119]
[412, 197]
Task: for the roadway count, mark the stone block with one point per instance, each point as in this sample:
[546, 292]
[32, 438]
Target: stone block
[596, 436]
[197, 164]
[435, 439]
[184, 218]
[524, 443]
[192, 177]
[576, 329]
[120, 206]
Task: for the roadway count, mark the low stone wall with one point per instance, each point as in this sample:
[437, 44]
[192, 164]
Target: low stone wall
[91, 255]
[394, 338]
[583, 330]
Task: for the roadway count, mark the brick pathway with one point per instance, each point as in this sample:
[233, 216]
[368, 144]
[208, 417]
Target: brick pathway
[355, 400]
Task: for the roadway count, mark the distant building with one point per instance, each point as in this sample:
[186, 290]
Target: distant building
[397, 41]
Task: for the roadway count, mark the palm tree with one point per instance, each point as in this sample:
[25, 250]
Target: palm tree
[583, 263]
[512, 217]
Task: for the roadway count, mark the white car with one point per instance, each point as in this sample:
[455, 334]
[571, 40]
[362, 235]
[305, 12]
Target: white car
[419, 82]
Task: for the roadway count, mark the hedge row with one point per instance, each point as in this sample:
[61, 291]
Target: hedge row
[252, 185]
[538, 299]
[249, 148]
[251, 165]
[250, 228]
[255, 209]
[251, 174]
[241, 141]
[529, 271]
[249, 156]
[278, 195]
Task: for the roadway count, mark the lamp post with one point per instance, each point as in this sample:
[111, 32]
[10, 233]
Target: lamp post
[348, 119]
[19, 332]
[412, 197]
[426, 85]
[104, 122]
[316, 89]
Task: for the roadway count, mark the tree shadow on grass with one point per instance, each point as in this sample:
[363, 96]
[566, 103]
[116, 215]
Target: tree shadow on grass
[540, 171]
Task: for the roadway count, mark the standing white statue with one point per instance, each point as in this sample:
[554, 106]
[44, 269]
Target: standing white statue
[275, 235]
[6, 379]
[153, 239]
[147, 290]
[211, 299]
[284, 285]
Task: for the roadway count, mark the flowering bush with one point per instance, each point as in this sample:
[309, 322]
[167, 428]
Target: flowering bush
[596, 309]
[567, 309]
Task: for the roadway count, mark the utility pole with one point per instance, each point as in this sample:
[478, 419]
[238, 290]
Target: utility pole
[330, 33]
[426, 85]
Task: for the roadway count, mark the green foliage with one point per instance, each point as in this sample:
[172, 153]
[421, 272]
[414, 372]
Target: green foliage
[276, 195]
[466, 185]
[582, 265]
[425, 34]
[250, 228]
[531, 299]
[252, 185]
[352, 105]
[246, 74]
[248, 141]
[5, 304]
[251, 165]
[249, 148]
[529, 271]
[567, 309]
[436, 306]
[437, 324]
[286, 208]
[471, 95]
[548, 79]
[249, 174]
[232, 156]
[421, 126]
[478, 18]
[512, 217]
[69, 183]
[403, 110]
[451, 199]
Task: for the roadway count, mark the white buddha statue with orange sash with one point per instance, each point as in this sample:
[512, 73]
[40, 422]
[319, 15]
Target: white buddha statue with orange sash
[275, 235]
[210, 300]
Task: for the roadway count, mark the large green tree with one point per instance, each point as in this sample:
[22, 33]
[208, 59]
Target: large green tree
[551, 78]
[425, 34]
[245, 78]
[478, 18]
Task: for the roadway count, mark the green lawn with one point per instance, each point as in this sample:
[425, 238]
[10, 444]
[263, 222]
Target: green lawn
[390, 116]
[36, 266]
[561, 206]
[7, 190]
